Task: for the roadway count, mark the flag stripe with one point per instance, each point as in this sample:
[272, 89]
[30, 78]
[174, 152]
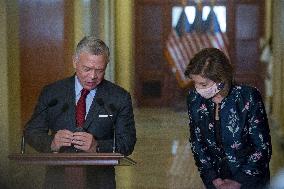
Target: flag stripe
[176, 56]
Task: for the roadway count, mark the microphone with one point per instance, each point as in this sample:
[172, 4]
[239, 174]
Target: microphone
[109, 110]
[50, 104]
[64, 108]
[112, 108]
[100, 102]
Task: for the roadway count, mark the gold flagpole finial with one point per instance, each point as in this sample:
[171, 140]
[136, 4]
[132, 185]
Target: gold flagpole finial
[184, 2]
[213, 3]
[199, 4]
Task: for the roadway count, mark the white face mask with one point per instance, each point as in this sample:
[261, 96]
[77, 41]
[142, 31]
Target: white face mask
[209, 92]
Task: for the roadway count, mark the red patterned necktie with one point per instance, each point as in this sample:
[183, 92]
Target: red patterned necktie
[81, 108]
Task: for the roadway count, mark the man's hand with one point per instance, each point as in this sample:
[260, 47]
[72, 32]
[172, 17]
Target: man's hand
[84, 141]
[61, 138]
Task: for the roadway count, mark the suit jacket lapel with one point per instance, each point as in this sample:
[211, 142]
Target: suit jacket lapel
[71, 102]
[95, 108]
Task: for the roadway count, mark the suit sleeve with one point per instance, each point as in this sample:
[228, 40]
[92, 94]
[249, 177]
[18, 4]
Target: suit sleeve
[199, 150]
[124, 128]
[36, 129]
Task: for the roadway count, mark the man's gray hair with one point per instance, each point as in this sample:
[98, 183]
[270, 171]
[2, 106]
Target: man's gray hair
[92, 45]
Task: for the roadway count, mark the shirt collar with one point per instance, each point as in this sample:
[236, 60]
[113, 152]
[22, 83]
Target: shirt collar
[79, 87]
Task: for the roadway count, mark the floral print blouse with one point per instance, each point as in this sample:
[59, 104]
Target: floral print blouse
[244, 133]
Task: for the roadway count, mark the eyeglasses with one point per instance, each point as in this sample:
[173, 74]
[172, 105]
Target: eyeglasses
[97, 71]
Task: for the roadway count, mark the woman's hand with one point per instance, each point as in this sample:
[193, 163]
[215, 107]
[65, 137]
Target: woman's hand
[218, 182]
[230, 184]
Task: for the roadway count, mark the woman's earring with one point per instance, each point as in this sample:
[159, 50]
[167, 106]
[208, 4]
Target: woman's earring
[220, 86]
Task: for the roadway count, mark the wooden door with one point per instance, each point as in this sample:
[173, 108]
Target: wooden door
[155, 84]
[46, 43]
[246, 28]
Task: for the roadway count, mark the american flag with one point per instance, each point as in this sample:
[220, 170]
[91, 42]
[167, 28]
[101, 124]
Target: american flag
[186, 39]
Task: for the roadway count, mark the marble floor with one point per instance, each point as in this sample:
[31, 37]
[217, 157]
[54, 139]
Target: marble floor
[163, 156]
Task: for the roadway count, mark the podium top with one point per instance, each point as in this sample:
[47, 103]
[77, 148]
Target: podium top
[111, 159]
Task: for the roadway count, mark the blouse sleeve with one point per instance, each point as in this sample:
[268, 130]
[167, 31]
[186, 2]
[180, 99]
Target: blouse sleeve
[199, 150]
[258, 160]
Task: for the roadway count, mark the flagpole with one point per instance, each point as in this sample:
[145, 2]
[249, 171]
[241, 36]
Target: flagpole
[184, 3]
[213, 3]
[199, 5]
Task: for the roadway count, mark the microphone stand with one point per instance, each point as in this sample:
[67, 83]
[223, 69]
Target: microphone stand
[113, 127]
[113, 109]
[51, 103]
[114, 132]
[101, 103]
[23, 146]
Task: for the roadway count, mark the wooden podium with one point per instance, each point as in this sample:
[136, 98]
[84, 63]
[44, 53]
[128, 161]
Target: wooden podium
[74, 163]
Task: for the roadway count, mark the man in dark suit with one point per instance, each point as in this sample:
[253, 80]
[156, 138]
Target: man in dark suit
[72, 115]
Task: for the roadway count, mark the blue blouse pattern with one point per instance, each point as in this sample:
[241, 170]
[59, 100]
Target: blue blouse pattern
[244, 134]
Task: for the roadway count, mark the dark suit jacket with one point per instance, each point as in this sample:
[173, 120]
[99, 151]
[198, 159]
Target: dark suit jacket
[62, 116]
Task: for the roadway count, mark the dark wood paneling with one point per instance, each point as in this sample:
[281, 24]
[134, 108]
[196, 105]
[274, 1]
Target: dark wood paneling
[152, 74]
[248, 31]
[45, 44]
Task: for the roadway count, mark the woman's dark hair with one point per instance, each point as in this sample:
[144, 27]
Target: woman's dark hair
[213, 64]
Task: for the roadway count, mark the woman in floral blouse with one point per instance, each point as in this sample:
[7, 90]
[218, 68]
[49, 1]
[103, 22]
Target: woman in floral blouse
[229, 131]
